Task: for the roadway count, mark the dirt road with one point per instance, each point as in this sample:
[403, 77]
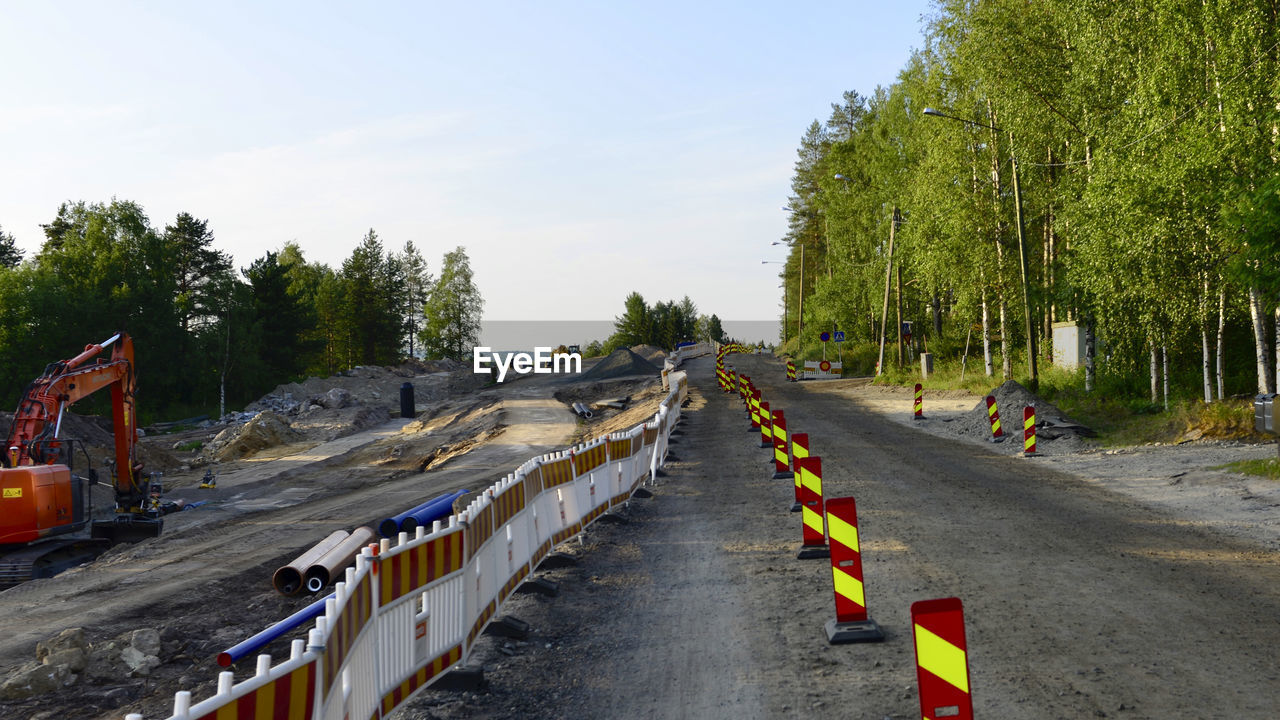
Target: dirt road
[205, 581]
[1080, 601]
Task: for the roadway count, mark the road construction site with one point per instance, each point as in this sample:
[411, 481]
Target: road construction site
[1140, 583]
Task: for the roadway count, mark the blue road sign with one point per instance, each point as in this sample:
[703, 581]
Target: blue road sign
[824, 337]
[839, 336]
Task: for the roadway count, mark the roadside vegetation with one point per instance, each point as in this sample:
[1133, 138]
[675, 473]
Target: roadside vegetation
[1018, 186]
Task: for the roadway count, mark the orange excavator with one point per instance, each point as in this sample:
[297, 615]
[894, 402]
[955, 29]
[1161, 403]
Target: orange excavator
[45, 504]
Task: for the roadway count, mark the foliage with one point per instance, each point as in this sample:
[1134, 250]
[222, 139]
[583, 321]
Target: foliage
[1141, 140]
[452, 310]
[205, 335]
[662, 325]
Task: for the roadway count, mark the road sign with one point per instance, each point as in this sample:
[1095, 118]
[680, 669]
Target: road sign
[839, 336]
[824, 336]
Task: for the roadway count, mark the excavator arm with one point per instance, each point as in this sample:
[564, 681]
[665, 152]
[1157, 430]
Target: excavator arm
[33, 439]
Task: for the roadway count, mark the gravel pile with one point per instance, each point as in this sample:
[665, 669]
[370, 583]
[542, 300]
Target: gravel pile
[621, 363]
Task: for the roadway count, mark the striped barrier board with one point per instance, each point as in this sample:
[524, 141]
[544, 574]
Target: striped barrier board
[809, 471]
[993, 414]
[781, 460]
[766, 426]
[799, 451]
[851, 624]
[942, 660]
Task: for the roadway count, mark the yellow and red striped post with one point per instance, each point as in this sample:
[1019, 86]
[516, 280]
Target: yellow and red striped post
[781, 460]
[918, 408]
[1029, 431]
[799, 451]
[993, 413]
[755, 410]
[766, 426]
[814, 532]
[851, 624]
[942, 660]
[791, 370]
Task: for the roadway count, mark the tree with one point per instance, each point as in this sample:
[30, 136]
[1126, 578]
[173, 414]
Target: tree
[416, 283]
[452, 311]
[372, 313]
[280, 324]
[10, 254]
[198, 270]
[635, 325]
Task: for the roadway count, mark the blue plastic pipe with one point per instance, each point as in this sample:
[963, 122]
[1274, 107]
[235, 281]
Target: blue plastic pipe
[264, 638]
[438, 509]
[393, 525]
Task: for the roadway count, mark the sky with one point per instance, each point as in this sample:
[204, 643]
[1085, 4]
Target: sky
[578, 151]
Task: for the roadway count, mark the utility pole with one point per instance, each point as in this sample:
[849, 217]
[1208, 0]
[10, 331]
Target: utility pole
[1026, 299]
[888, 277]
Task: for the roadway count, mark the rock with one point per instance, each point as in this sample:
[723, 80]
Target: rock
[336, 399]
[104, 663]
[139, 664]
[74, 659]
[34, 679]
[69, 639]
[146, 641]
[266, 429]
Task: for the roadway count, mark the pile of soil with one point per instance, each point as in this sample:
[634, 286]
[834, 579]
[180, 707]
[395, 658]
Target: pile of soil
[622, 362]
[266, 429]
[652, 353]
[1011, 397]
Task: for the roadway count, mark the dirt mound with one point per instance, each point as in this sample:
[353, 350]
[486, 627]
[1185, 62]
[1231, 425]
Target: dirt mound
[266, 429]
[1011, 398]
[621, 363]
[652, 353]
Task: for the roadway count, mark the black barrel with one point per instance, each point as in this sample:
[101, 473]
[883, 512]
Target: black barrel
[406, 401]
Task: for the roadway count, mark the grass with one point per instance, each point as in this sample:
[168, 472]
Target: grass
[192, 446]
[1120, 413]
[1269, 469]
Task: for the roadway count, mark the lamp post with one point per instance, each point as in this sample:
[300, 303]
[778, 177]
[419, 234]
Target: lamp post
[1022, 247]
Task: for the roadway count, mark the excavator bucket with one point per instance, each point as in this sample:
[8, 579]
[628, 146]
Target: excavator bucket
[128, 529]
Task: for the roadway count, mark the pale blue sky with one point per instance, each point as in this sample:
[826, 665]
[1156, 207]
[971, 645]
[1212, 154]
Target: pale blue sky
[579, 151]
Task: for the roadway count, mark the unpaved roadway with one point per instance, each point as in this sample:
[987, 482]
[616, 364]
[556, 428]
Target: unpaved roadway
[1080, 602]
[205, 583]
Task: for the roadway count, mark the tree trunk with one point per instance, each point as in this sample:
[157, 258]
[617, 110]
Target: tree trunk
[1164, 359]
[1222, 326]
[1090, 349]
[986, 330]
[1155, 374]
[1265, 381]
[936, 305]
[898, 294]
[1204, 351]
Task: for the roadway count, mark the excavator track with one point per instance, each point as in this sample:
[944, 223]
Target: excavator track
[47, 559]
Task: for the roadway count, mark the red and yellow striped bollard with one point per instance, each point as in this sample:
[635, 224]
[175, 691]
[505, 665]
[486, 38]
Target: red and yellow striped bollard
[799, 450]
[781, 460]
[851, 624]
[993, 413]
[755, 410]
[918, 407]
[791, 370]
[942, 660]
[766, 426]
[1029, 431]
[814, 534]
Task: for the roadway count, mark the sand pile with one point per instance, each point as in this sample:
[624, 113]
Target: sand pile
[652, 353]
[1011, 398]
[621, 363]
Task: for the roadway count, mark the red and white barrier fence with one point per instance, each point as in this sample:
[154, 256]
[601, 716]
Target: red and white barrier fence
[412, 609]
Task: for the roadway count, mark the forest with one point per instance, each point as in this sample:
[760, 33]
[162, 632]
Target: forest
[210, 337]
[1106, 166]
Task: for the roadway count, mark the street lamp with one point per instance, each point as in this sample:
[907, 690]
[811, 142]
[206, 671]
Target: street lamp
[1022, 247]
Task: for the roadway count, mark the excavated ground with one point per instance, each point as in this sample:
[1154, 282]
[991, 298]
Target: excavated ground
[1136, 584]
